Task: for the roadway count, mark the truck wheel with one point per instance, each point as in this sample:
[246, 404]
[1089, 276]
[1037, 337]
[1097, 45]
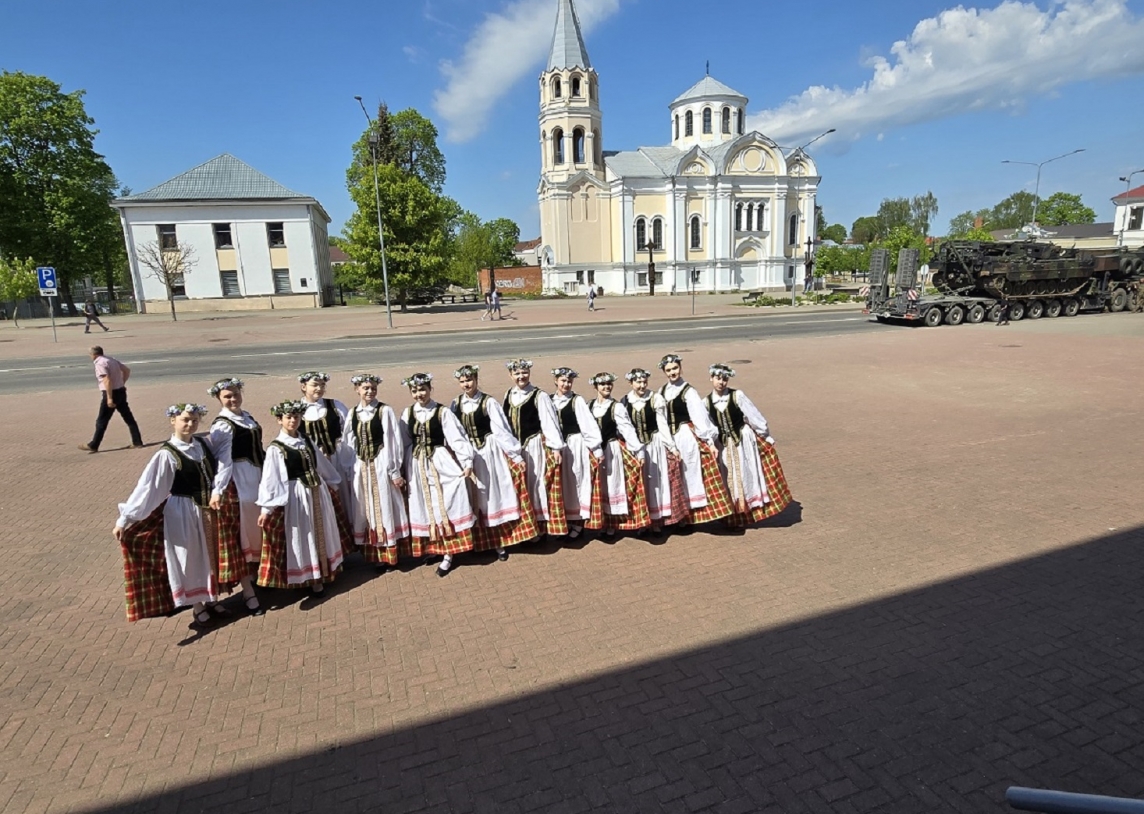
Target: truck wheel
[1119, 300]
[1071, 307]
[1016, 311]
[1053, 309]
[976, 314]
[932, 317]
[1126, 264]
[955, 315]
[1035, 310]
[1138, 265]
[995, 312]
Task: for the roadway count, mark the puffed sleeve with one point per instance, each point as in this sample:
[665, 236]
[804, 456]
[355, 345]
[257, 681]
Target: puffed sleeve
[627, 430]
[349, 441]
[456, 438]
[394, 442]
[660, 406]
[753, 417]
[153, 488]
[502, 432]
[549, 423]
[701, 422]
[406, 440]
[274, 488]
[345, 455]
[589, 427]
[221, 439]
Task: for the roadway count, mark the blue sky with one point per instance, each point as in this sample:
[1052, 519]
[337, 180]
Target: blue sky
[924, 95]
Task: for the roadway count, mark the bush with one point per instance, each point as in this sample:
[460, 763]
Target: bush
[765, 299]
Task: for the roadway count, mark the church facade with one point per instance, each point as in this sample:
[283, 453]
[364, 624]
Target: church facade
[720, 208]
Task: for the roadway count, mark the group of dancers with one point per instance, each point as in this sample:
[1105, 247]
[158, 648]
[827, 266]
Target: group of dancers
[217, 510]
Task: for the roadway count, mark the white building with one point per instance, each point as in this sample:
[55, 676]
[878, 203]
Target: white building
[728, 208]
[1129, 221]
[256, 244]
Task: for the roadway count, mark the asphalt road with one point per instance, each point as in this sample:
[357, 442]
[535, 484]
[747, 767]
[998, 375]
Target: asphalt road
[424, 350]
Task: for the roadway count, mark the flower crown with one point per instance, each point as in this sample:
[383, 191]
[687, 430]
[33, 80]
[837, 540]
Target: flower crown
[557, 372]
[362, 378]
[225, 384]
[721, 370]
[190, 407]
[667, 360]
[519, 364]
[637, 373]
[313, 375]
[418, 380]
[603, 378]
[288, 407]
[467, 372]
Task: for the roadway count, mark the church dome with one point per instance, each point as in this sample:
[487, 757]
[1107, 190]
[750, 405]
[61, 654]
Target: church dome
[709, 88]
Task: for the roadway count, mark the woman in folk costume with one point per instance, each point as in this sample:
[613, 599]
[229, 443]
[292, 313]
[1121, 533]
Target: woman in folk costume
[537, 427]
[236, 439]
[167, 529]
[438, 465]
[301, 545]
[619, 501]
[324, 424]
[694, 437]
[500, 485]
[583, 449]
[748, 460]
[662, 472]
[380, 520]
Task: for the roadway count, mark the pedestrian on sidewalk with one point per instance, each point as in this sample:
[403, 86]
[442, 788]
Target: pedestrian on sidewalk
[488, 306]
[496, 303]
[90, 315]
[1003, 314]
[591, 298]
[112, 376]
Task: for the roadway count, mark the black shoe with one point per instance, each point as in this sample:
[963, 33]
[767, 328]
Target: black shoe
[257, 610]
[502, 555]
[202, 622]
[443, 572]
[219, 612]
[140, 445]
[381, 568]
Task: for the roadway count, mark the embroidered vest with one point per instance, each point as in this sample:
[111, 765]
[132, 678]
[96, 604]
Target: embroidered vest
[569, 425]
[478, 426]
[730, 421]
[193, 479]
[326, 431]
[643, 418]
[524, 417]
[677, 412]
[301, 464]
[608, 429]
[369, 436]
[427, 435]
[246, 444]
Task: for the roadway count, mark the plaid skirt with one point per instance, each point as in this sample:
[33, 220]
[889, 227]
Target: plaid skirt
[554, 486]
[145, 584]
[778, 491]
[232, 564]
[457, 543]
[638, 515]
[518, 531]
[680, 502]
[376, 553]
[272, 568]
[345, 527]
[718, 498]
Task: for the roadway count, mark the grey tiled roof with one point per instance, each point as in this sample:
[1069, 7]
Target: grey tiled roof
[646, 162]
[220, 179]
[568, 49]
[707, 87]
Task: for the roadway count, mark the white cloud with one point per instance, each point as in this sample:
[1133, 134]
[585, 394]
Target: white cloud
[969, 59]
[413, 53]
[505, 47]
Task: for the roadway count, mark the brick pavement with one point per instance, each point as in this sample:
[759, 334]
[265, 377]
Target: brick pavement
[951, 609]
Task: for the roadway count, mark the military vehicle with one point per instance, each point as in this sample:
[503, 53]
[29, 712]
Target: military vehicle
[974, 278]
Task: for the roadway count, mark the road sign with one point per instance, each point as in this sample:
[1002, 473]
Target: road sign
[47, 276]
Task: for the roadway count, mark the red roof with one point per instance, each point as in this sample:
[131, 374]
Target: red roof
[1131, 195]
[338, 256]
[527, 245]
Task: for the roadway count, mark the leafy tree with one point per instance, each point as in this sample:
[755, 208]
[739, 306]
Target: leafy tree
[864, 230]
[18, 282]
[1063, 208]
[170, 266]
[892, 213]
[835, 232]
[1012, 213]
[904, 237]
[838, 260]
[961, 225]
[480, 245]
[922, 210]
[819, 220]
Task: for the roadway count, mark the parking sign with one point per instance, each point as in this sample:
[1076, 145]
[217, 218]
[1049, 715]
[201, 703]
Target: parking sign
[47, 276]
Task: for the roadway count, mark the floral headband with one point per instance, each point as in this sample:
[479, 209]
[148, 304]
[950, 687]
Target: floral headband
[288, 407]
[518, 364]
[362, 378]
[418, 380]
[314, 375]
[722, 371]
[637, 373]
[467, 372]
[190, 407]
[557, 372]
[224, 384]
[603, 378]
[667, 360]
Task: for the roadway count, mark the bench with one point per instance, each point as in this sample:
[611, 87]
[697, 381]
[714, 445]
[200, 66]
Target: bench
[463, 296]
[753, 294]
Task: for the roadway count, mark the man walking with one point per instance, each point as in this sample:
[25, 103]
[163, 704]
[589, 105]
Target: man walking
[591, 298]
[112, 376]
[496, 303]
[90, 315]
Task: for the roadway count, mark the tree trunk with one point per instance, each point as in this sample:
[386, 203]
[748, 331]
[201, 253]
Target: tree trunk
[403, 299]
[171, 299]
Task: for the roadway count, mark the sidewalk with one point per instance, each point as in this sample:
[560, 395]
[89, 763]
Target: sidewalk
[158, 332]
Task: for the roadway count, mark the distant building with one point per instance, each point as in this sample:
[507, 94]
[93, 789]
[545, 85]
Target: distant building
[1073, 235]
[256, 243]
[528, 252]
[1129, 222]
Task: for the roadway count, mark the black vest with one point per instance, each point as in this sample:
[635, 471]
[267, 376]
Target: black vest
[525, 417]
[193, 479]
[369, 437]
[478, 426]
[246, 444]
[569, 424]
[301, 464]
[608, 429]
[427, 435]
[644, 419]
[677, 412]
[730, 421]
[325, 432]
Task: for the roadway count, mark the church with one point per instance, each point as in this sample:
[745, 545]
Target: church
[718, 208]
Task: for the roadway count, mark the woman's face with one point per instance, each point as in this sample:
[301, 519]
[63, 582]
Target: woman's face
[231, 399]
[522, 376]
[673, 371]
[564, 385]
[720, 383]
[639, 387]
[367, 391]
[422, 394]
[604, 390]
[469, 385]
[290, 423]
[313, 389]
[185, 424]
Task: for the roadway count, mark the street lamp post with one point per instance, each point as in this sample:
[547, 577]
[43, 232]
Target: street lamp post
[809, 237]
[377, 198]
[1037, 188]
[1127, 179]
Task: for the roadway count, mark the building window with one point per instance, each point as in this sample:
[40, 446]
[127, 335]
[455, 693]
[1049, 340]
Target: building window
[792, 232]
[276, 235]
[168, 239]
[727, 120]
[641, 278]
[1135, 217]
[557, 90]
[580, 277]
[739, 119]
[557, 146]
[591, 276]
[738, 217]
[230, 283]
[706, 121]
[571, 287]
[641, 234]
[677, 127]
[657, 234]
[689, 124]
[696, 234]
[178, 286]
[578, 146]
[222, 239]
[576, 87]
[281, 281]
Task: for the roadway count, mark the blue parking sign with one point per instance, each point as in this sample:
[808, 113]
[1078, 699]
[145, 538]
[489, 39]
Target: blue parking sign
[47, 277]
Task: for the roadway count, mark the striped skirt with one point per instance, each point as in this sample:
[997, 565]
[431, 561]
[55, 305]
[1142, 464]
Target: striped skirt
[145, 584]
[518, 531]
[718, 498]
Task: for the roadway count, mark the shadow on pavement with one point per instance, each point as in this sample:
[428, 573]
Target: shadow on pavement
[935, 699]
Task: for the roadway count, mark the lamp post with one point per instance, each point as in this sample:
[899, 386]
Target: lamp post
[1037, 188]
[809, 238]
[1127, 179]
[377, 199]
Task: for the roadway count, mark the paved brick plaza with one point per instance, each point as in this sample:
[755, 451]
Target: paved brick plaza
[954, 609]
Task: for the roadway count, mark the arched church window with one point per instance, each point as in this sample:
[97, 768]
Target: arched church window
[760, 212]
[557, 89]
[578, 146]
[677, 127]
[575, 87]
[557, 146]
[727, 120]
[750, 217]
[707, 121]
[657, 234]
[641, 234]
[695, 232]
[738, 217]
[688, 124]
[792, 232]
[740, 117]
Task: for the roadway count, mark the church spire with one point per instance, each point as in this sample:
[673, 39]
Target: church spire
[568, 49]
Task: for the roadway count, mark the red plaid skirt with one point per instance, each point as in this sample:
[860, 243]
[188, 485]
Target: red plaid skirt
[680, 502]
[456, 543]
[554, 485]
[145, 584]
[638, 515]
[718, 498]
[232, 564]
[272, 568]
[375, 552]
[345, 527]
[777, 489]
[526, 528]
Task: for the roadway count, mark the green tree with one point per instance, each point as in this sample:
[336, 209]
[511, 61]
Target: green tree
[961, 225]
[892, 213]
[18, 281]
[840, 260]
[1012, 213]
[904, 237]
[478, 245]
[922, 210]
[864, 230]
[835, 232]
[1063, 208]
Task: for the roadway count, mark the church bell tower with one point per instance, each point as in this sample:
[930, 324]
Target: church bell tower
[571, 131]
